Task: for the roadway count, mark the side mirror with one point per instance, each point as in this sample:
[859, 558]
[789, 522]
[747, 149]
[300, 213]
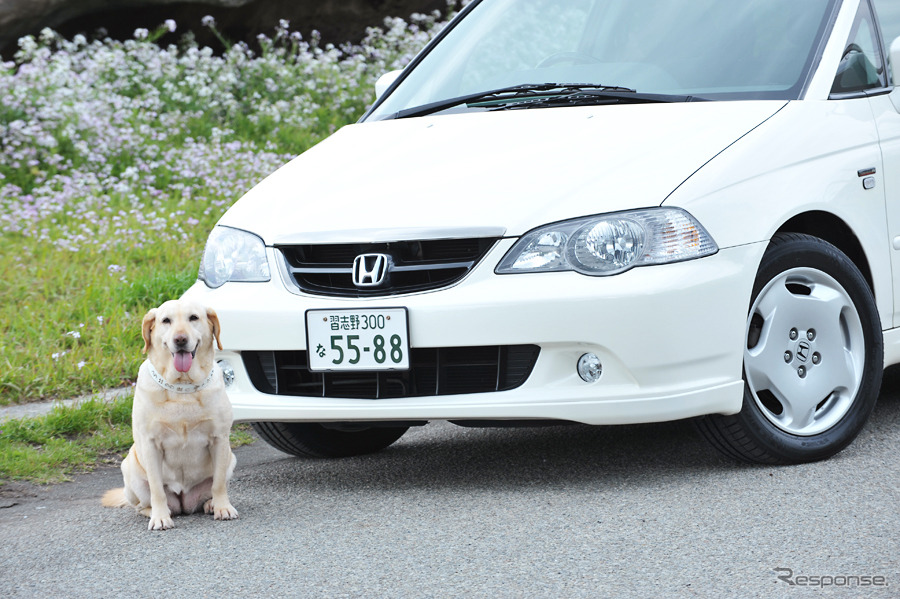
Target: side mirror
[386, 80]
[895, 61]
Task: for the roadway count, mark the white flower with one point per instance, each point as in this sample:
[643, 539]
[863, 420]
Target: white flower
[81, 364]
[141, 34]
[170, 25]
[208, 21]
[27, 44]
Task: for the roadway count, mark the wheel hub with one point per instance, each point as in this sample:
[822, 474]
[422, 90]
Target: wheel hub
[802, 354]
[801, 320]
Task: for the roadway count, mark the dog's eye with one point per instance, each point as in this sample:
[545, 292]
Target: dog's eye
[167, 320]
[194, 317]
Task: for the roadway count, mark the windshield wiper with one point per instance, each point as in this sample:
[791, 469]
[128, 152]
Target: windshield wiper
[515, 93]
[594, 98]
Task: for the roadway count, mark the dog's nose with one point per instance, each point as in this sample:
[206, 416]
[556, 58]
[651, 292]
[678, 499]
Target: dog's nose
[180, 340]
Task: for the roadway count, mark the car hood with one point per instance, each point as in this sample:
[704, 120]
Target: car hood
[489, 173]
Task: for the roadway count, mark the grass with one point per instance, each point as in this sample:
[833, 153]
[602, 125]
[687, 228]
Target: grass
[72, 439]
[69, 328]
[116, 161]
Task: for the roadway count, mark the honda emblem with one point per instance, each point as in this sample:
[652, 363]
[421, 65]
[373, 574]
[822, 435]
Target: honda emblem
[370, 270]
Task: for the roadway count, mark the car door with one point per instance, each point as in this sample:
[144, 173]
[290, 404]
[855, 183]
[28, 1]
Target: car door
[885, 102]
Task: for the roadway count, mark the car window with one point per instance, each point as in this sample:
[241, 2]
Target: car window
[517, 44]
[753, 49]
[889, 14]
[709, 46]
[861, 67]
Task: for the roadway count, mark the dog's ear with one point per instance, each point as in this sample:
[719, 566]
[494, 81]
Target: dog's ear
[214, 325]
[147, 329]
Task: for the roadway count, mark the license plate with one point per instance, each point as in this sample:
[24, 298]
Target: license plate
[357, 339]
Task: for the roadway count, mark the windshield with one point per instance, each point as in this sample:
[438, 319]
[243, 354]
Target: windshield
[711, 49]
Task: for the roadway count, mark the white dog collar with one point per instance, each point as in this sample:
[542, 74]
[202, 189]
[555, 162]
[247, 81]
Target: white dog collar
[178, 388]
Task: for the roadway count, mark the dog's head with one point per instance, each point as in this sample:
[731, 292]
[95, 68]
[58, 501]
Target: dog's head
[181, 335]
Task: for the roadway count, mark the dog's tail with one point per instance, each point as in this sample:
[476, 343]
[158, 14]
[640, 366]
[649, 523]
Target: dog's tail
[115, 498]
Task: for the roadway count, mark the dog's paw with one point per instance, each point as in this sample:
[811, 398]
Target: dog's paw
[224, 512]
[159, 522]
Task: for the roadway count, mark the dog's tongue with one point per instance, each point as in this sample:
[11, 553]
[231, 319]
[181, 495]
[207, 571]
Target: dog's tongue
[183, 361]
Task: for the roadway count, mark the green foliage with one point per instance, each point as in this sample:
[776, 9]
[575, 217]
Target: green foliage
[117, 159]
[67, 440]
[72, 439]
[154, 288]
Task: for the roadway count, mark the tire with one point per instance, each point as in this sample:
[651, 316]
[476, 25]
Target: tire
[312, 440]
[813, 358]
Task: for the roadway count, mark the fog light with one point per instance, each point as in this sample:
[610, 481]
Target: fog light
[589, 368]
[227, 372]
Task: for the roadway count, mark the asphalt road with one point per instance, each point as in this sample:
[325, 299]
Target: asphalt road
[636, 511]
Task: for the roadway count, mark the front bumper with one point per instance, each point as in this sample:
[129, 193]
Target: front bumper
[669, 337]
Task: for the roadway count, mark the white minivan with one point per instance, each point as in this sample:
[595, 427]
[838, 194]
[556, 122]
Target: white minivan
[593, 211]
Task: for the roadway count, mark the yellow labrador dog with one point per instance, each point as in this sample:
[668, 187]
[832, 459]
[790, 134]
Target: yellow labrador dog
[181, 459]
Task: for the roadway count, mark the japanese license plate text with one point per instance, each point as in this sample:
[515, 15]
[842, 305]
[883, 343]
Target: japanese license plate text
[358, 339]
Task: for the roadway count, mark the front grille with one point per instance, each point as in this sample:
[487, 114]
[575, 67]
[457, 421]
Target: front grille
[433, 371]
[414, 265]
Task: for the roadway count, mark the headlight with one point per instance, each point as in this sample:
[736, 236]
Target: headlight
[233, 255]
[611, 243]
